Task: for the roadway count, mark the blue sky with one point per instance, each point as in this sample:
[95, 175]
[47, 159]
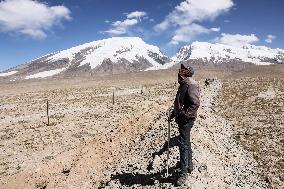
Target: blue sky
[30, 29]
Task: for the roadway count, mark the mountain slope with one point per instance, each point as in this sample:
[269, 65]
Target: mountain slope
[113, 55]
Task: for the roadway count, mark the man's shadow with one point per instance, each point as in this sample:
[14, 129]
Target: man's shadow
[130, 179]
[173, 142]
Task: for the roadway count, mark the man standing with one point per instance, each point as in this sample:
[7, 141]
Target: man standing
[185, 111]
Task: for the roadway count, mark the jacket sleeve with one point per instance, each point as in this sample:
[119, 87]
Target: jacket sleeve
[182, 94]
[193, 94]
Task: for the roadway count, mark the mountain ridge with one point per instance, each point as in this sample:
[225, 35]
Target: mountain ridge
[260, 55]
[128, 54]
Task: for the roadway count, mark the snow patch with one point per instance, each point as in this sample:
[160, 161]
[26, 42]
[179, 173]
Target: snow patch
[163, 67]
[45, 73]
[8, 73]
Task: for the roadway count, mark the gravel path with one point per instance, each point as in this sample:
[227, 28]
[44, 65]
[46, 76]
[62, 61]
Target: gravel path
[219, 161]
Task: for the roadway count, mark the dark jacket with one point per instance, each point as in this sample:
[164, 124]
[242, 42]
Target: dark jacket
[187, 101]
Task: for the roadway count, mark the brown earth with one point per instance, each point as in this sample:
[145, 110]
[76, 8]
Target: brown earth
[91, 143]
[255, 106]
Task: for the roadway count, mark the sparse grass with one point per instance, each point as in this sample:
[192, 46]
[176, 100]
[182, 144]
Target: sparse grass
[23, 122]
[254, 105]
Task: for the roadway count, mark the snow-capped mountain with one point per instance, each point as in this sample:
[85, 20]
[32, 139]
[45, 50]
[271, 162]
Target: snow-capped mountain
[219, 53]
[112, 55]
[126, 54]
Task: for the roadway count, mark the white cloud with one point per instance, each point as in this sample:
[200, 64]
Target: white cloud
[270, 38]
[237, 39]
[30, 18]
[115, 31]
[122, 27]
[190, 11]
[136, 14]
[215, 29]
[187, 33]
[125, 23]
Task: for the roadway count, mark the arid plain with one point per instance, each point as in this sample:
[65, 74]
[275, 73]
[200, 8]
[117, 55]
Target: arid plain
[90, 142]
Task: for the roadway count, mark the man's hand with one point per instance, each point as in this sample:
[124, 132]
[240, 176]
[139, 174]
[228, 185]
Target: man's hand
[171, 117]
[184, 115]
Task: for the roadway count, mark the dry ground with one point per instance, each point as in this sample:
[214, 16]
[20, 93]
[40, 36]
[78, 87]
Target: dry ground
[92, 143]
[253, 101]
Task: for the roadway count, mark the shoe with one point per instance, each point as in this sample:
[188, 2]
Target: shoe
[189, 170]
[181, 180]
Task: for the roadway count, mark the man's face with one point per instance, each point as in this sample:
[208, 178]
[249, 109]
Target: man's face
[183, 72]
[180, 77]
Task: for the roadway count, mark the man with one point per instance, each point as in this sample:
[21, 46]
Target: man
[185, 111]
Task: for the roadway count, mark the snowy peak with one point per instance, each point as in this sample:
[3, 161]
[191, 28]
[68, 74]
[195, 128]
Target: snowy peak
[219, 53]
[114, 49]
[112, 55]
[183, 54]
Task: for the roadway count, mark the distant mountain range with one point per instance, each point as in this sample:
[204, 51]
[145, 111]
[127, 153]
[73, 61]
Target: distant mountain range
[218, 53]
[127, 54]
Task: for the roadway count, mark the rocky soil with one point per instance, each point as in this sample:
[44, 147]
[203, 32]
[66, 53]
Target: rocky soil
[255, 108]
[92, 143]
[219, 161]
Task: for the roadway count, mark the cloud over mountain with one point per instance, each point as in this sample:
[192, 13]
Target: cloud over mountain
[185, 16]
[270, 38]
[237, 39]
[122, 27]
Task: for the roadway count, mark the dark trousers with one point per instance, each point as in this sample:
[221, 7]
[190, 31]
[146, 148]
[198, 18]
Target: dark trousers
[185, 148]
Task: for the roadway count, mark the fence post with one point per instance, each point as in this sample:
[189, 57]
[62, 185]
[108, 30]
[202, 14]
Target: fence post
[112, 97]
[47, 113]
